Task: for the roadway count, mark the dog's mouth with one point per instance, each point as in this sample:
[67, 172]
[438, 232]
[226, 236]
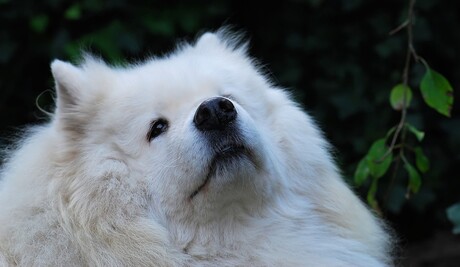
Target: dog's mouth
[224, 156]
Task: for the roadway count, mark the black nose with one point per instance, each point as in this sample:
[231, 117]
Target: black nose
[214, 114]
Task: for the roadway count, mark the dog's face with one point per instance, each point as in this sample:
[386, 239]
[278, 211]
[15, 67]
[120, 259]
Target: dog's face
[196, 126]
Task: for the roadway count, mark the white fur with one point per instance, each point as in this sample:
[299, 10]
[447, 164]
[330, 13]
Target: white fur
[88, 189]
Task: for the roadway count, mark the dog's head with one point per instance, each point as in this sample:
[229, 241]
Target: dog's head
[202, 127]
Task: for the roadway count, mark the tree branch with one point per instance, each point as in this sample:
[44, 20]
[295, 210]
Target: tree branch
[400, 129]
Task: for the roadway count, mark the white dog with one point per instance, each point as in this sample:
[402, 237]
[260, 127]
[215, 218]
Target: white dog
[193, 159]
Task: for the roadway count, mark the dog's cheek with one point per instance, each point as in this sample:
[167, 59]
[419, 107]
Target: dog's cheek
[103, 196]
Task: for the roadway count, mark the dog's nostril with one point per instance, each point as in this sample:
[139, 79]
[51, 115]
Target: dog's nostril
[202, 114]
[214, 113]
[226, 105]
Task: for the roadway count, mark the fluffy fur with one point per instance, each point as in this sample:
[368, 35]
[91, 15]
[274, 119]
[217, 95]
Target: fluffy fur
[90, 189]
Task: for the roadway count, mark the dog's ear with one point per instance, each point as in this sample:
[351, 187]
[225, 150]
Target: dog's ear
[209, 39]
[69, 81]
[72, 94]
[224, 38]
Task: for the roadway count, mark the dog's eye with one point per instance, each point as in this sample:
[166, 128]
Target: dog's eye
[157, 127]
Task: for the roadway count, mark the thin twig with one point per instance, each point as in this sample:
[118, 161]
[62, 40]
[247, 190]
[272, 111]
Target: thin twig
[401, 130]
[400, 27]
[410, 51]
[405, 77]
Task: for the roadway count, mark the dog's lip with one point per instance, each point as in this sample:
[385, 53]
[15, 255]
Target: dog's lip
[222, 152]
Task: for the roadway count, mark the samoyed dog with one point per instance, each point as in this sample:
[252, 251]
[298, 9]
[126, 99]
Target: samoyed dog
[191, 159]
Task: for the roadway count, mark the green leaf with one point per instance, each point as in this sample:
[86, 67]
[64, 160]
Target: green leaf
[371, 195]
[362, 172]
[418, 134]
[398, 94]
[437, 92]
[415, 181]
[39, 23]
[378, 164]
[453, 213]
[73, 12]
[422, 162]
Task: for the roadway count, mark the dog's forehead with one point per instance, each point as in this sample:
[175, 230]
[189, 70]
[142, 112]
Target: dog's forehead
[164, 85]
[163, 92]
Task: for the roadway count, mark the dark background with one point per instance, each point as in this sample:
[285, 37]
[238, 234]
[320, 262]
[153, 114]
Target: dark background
[336, 56]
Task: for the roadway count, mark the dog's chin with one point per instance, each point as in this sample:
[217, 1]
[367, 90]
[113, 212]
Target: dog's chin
[228, 160]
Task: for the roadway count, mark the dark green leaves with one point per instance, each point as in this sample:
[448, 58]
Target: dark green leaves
[453, 213]
[375, 163]
[437, 92]
[398, 94]
[421, 161]
[371, 195]
[415, 181]
[418, 134]
[362, 172]
[378, 159]
[404, 139]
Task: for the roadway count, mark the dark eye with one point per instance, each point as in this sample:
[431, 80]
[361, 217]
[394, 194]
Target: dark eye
[157, 127]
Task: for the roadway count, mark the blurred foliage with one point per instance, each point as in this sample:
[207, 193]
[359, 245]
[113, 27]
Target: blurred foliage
[453, 212]
[336, 56]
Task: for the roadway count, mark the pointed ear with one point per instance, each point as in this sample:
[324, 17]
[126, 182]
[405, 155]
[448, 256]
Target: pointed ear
[208, 39]
[223, 39]
[69, 81]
